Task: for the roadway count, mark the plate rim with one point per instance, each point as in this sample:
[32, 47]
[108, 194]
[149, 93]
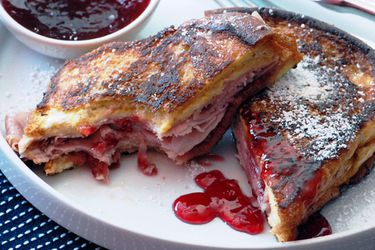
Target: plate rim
[16, 168]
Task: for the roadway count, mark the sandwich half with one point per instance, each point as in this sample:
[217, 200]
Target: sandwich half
[314, 130]
[175, 92]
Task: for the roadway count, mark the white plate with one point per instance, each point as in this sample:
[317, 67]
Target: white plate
[135, 211]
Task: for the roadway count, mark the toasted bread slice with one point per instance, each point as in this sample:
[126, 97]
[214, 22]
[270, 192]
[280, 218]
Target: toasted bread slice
[176, 91]
[314, 130]
[162, 79]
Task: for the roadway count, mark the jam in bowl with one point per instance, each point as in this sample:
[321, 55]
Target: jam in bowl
[74, 19]
[68, 28]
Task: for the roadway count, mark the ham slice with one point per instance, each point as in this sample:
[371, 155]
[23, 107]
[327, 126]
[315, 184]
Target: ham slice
[14, 125]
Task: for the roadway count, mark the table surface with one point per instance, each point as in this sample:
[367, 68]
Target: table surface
[23, 226]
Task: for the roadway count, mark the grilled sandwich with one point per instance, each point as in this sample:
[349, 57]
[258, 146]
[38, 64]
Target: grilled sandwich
[312, 132]
[175, 92]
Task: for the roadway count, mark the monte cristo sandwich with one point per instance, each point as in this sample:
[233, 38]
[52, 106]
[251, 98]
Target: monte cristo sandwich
[175, 92]
[313, 132]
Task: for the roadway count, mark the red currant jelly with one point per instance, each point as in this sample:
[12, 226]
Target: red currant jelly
[74, 19]
[221, 198]
[316, 226]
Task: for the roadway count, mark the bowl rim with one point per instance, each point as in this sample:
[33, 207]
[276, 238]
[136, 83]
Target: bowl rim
[14, 25]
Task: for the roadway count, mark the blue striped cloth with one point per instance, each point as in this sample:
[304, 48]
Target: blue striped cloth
[22, 226]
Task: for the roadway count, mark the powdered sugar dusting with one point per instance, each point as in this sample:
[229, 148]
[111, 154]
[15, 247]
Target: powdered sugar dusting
[38, 79]
[309, 88]
[26, 89]
[319, 110]
[326, 136]
[355, 208]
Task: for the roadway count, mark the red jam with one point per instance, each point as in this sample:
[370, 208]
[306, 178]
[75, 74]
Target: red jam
[316, 226]
[221, 198]
[99, 169]
[86, 130]
[74, 19]
[144, 165]
[280, 163]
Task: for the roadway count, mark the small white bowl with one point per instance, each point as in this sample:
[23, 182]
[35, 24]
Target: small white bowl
[69, 49]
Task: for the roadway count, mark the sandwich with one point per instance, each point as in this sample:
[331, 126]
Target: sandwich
[175, 92]
[313, 132]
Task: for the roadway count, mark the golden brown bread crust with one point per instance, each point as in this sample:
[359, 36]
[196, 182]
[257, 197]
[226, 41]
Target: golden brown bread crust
[162, 75]
[347, 109]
